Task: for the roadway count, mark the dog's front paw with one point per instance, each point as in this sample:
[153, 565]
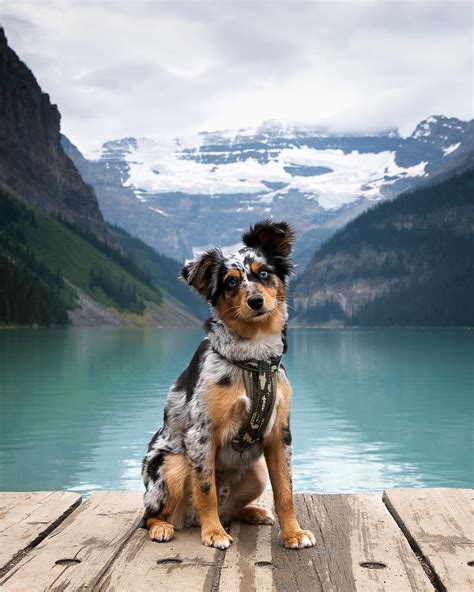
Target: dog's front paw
[216, 538]
[161, 532]
[298, 539]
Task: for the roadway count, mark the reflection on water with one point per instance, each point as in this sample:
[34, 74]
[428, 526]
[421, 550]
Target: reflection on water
[371, 409]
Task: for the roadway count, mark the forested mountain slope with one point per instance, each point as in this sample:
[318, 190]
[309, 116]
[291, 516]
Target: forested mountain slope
[409, 261]
[164, 271]
[53, 273]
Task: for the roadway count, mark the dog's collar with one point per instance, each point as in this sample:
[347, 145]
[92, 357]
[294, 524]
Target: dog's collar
[260, 385]
[252, 365]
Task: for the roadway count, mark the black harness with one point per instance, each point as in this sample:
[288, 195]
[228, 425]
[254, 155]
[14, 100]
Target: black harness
[260, 386]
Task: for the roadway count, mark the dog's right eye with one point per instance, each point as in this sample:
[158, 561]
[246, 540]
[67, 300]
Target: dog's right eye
[231, 283]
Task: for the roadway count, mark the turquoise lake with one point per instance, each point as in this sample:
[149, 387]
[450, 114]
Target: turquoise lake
[371, 409]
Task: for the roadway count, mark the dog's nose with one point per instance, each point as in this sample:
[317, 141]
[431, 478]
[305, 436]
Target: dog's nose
[255, 302]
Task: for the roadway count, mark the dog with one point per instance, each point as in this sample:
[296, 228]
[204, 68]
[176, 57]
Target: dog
[206, 464]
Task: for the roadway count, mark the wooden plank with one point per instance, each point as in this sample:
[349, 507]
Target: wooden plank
[27, 517]
[439, 522]
[78, 552]
[359, 548]
[183, 563]
[248, 563]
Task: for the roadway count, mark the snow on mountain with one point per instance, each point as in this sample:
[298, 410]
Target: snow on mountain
[156, 169]
[451, 148]
[206, 188]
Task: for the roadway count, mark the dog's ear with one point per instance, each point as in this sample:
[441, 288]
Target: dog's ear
[275, 240]
[202, 273]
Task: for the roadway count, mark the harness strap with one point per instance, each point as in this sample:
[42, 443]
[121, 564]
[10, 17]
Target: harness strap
[260, 385]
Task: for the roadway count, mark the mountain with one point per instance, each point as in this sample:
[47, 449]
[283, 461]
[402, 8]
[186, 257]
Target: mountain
[59, 263]
[32, 161]
[164, 272]
[54, 273]
[183, 195]
[407, 261]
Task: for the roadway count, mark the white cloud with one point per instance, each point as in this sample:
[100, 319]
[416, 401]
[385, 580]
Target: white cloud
[169, 68]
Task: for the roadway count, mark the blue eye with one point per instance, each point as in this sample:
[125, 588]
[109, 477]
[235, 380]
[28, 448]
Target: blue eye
[231, 282]
[263, 274]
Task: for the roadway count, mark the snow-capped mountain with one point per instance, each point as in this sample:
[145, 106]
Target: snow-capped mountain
[182, 195]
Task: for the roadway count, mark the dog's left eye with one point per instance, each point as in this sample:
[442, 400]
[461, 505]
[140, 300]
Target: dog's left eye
[263, 274]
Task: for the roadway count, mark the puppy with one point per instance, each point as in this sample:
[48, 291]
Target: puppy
[228, 413]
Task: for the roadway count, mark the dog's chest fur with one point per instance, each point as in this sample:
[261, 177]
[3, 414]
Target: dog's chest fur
[228, 414]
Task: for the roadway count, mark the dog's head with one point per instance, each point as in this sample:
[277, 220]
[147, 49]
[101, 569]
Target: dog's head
[247, 289]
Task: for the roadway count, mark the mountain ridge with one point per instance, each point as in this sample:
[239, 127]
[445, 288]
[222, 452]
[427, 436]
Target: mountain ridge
[181, 196]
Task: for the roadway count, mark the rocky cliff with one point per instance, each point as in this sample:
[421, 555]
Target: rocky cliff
[32, 160]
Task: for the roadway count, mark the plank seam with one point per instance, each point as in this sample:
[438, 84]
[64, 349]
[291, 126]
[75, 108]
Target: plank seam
[219, 562]
[41, 536]
[423, 559]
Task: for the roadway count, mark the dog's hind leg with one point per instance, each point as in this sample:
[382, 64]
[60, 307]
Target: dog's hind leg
[176, 472]
[248, 489]
[167, 497]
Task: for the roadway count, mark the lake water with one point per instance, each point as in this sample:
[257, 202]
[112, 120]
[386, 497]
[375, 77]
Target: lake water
[371, 409]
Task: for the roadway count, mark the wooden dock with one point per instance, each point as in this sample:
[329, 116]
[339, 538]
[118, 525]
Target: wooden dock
[407, 540]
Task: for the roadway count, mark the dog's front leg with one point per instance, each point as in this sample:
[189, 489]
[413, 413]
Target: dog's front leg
[278, 457]
[205, 501]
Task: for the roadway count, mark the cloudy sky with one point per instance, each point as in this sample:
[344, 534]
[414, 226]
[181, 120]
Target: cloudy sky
[155, 69]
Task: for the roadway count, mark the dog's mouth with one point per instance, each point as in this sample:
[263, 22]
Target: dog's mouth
[258, 315]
